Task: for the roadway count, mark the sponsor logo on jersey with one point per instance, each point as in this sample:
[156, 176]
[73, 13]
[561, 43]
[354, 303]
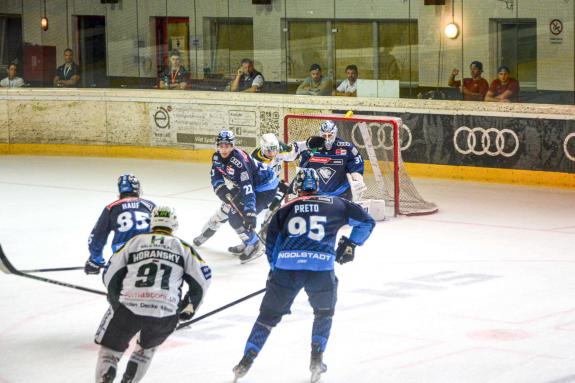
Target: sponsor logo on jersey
[230, 170]
[304, 256]
[326, 173]
[207, 272]
[321, 160]
[236, 162]
[244, 176]
[340, 152]
[342, 143]
[354, 151]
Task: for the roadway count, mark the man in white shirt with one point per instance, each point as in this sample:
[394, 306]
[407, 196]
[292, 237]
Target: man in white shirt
[348, 87]
[12, 81]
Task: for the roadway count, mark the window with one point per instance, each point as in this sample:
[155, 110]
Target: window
[231, 40]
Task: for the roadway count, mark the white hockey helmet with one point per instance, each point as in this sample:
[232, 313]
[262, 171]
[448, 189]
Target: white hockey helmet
[269, 145]
[164, 216]
[328, 130]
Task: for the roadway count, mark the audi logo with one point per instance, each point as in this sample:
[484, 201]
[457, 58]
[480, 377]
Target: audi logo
[485, 138]
[565, 146]
[383, 136]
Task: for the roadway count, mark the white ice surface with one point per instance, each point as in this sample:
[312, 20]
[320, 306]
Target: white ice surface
[481, 292]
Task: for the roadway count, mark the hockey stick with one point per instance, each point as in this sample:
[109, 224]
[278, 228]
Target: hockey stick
[8, 268]
[54, 269]
[187, 323]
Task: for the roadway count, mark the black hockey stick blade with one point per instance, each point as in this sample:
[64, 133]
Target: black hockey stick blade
[8, 268]
[187, 323]
[53, 269]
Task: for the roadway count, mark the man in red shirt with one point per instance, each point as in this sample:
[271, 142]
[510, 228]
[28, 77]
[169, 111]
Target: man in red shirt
[474, 88]
[503, 88]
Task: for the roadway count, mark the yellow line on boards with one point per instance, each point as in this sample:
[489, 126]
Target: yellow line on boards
[147, 152]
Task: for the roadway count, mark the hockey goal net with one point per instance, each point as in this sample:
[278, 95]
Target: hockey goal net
[379, 139]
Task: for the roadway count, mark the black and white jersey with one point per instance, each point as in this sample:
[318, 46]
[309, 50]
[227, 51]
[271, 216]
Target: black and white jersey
[147, 273]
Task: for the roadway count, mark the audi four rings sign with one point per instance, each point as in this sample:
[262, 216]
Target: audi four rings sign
[485, 138]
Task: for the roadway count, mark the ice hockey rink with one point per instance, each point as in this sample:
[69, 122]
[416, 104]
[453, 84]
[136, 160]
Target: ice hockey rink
[483, 291]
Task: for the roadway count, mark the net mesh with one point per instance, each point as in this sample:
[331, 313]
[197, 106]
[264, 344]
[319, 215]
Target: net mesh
[379, 163]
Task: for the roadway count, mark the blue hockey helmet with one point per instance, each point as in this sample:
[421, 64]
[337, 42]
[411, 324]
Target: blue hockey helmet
[128, 183]
[328, 130]
[226, 136]
[307, 181]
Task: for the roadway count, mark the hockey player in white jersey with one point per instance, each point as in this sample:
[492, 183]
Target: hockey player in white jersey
[271, 152]
[144, 280]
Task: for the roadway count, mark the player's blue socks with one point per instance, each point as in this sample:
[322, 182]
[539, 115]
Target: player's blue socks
[253, 238]
[257, 338]
[320, 333]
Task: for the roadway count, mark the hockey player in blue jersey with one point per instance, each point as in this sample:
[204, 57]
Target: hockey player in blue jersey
[300, 248]
[254, 188]
[272, 153]
[126, 217]
[338, 164]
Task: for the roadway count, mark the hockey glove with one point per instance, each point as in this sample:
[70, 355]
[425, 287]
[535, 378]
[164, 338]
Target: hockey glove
[345, 250]
[92, 267]
[224, 194]
[315, 143]
[250, 220]
[187, 313]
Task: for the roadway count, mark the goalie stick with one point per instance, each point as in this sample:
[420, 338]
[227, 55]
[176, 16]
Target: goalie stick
[8, 268]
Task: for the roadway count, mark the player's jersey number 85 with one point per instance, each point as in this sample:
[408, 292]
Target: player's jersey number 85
[128, 219]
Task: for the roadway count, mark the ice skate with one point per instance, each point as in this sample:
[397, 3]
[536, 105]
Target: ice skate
[251, 252]
[237, 249]
[317, 366]
[242, 368]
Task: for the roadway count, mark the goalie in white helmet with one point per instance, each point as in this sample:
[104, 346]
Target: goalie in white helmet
[338, 164]
[271, 152]
[144, 281]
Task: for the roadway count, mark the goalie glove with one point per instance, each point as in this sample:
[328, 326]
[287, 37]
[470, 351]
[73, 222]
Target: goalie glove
[345, 251]
[357, 185]
[315, 143]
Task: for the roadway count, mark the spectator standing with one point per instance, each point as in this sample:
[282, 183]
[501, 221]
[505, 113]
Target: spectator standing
[12, 81]
[474, 88]
[503, 88]
[175, 76]
[348, 87]
[67, 74]
[315, 84]
[247, 78]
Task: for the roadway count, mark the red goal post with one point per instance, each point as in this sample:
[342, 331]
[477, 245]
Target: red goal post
[385, 175]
